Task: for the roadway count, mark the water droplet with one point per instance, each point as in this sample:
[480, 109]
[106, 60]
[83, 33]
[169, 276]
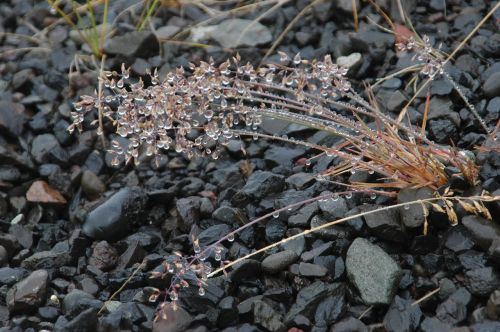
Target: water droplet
[173, 296]
[201, 291]
[348, 195]
[196, 248]
[308, 162]
[230, 237]
[218, 256]
[406, 206]
[373, 196]
[276, 214]
[335, 197]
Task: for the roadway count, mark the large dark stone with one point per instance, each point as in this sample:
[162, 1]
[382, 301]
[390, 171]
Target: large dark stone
[113, 219]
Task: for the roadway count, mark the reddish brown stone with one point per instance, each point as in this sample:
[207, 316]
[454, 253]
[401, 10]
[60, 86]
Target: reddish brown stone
[41, 192]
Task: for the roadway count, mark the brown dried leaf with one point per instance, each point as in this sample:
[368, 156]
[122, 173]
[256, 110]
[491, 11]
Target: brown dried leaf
[452, 216]
[468, 207]
[437, 208]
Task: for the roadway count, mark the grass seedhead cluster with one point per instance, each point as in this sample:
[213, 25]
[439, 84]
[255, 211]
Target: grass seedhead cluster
[197, 112]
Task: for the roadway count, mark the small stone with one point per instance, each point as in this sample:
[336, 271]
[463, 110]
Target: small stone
[385, 224]
[188, 210]
[92, 186]
[84, 321]
[396, 101]
[458, 239]
[312, 270]
[46, 260]
[28, 294]
[77, 301]
[310, 298]
[41, 192]
[402, 315]
[374, 273]
[265, 316]
[167, 31]
[113, 218]
[262, 183]
[413, 216]
[493, 306]
[351, 62]
[213, 234]
[48, 313]
[45, 148]
[4, 256]
[177, 320]
[277, 262]
[333, 208]
[491, 86]
[349, 324]
[141, 44]
[483, 231]
[9, 276]
[104, 256]
[234, 32]
[228, 214]
[11, 118]
[482, 281]
[454, 309]
[432, 324]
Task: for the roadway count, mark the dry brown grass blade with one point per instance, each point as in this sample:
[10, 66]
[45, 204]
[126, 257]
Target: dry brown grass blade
[426, 111]
[355, 15]
[336, 222]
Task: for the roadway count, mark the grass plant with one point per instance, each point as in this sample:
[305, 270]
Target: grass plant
[91, 35]
[196, 111]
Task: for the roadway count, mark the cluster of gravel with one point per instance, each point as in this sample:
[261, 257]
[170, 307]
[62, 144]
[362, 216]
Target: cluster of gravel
[73, 228]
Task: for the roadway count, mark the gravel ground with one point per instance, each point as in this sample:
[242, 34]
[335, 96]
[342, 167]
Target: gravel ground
[73, 228]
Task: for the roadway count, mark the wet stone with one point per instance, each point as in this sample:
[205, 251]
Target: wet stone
[458, 239]
[374, 273]
[91, 185]
[413, 215]
[45, 148]
[264, 315]
[104, 256]
[454, 309]
[312, 270]
[77, 301]
[188, 212]
[262, 183]
[29, 293]
[493, 306]
[310, 297]
[213, 234]
[41, 192]
[11, 118]
[482, 281]
[483, 232]
[385, 224]
[491, 86]
[277, 262]
[133, 44]
[402, 315]
[113, 218]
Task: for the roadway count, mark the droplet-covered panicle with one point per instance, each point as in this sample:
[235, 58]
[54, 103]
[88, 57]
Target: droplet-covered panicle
[195, 111]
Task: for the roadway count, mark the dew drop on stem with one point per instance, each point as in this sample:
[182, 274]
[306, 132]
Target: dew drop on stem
[276, 214]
